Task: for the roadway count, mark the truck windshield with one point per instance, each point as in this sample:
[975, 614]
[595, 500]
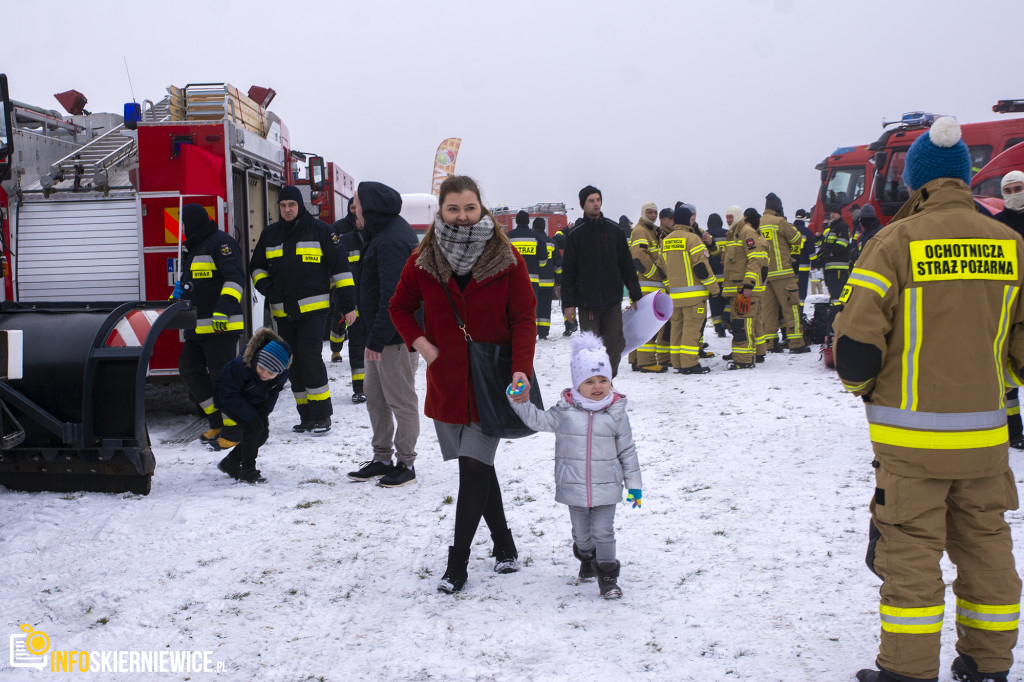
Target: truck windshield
[893, 191]
[844, 185]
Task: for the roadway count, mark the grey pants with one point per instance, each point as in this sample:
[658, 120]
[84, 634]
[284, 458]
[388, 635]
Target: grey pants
[607, 324]
[390, 388]
[594, 528]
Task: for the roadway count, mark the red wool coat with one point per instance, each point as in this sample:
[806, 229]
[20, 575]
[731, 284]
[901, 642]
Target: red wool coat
[498, 306]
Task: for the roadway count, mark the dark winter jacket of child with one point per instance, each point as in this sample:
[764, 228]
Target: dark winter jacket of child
[240, 392]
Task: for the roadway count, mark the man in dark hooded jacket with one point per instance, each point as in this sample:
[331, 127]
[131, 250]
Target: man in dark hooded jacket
[390, 382]
[295, 264]
[213, 279]
[596, 266]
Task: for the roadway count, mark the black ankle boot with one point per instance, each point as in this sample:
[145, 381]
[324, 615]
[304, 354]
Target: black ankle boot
[607, 579]
[586, 574]
[506, 558]
[455, 574]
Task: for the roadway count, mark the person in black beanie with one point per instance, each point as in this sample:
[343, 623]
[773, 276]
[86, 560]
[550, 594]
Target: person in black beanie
[626, 225]
[551, 269]
[213, 279]
[533, 248]
[596, 266]
[717, 302]
[802, 266]
[295, 264]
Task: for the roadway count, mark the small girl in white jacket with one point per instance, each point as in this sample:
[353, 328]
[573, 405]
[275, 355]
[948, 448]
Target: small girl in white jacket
[594, 458]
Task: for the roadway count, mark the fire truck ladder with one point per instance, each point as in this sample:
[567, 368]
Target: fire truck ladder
[99, 156]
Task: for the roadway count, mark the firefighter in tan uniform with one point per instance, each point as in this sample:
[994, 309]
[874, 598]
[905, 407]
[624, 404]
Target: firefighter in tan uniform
[745, 261]
[663, 342]
[685, 259]
[781, 293]
[930, 335]
[644, 247]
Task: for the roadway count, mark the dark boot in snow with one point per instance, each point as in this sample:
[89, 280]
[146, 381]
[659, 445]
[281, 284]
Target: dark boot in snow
[231, 465]
[868, 675]
[455, 575]
[506, 558]
[966, 670]
[607, 579]
[586, 574]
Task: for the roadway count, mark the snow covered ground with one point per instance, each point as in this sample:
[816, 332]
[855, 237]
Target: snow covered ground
[744, 563]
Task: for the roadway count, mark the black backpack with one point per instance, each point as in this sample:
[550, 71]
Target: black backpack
[819, 328]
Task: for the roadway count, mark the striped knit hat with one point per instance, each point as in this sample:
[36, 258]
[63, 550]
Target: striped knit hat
[274, 357]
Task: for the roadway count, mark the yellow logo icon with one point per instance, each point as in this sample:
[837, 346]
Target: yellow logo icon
[28, 649]
[36, 641]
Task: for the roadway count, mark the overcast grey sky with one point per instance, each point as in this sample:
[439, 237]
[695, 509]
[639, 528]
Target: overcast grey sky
[713, 103]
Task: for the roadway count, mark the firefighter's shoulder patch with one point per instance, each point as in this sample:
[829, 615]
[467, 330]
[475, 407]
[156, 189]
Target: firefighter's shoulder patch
[335, 237]
[750, 242]
[225, 249]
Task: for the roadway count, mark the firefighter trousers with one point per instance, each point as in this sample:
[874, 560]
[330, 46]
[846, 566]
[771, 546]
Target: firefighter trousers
[201, 360]
[781, 299]
[912, 521]
[835, 280]
[744, 327]
[716, 304]
[308, 374]
[687, 328]
[606, 323]
[356, 353]
[544, 296]
[803, 278]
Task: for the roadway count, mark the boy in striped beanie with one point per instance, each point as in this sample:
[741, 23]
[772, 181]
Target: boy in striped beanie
[246, 392]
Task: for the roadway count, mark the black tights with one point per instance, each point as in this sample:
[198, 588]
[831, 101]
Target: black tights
[479, 497]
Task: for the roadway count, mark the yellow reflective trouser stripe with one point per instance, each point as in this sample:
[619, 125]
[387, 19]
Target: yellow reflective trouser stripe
[319, 393]
[208, 406]
[300, 397]
[921, 621]
[257, 275]
[358, 376]
[997, 618]
[912, 321]
[335, 338]
[228, 421]
[1013, 410]
[343, 279]
[937, 440]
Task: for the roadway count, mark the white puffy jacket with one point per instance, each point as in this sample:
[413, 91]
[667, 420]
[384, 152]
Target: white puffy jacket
[594, 452]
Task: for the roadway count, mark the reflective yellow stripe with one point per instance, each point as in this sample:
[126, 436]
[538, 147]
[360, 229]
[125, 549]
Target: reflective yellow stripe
[998, 345]
[257, 275]
[920, 621]
[870, 280]
[852, 388]
[233, 290]
[275, 251]
[228, 421]
[322, 393]
[937, 440]
[343, 280]
[994, 618]
[912, 321]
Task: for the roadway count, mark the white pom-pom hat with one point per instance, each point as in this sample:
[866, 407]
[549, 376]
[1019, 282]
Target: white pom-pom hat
[589, 359]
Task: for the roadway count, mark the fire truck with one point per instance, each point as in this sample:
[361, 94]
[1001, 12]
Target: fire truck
[326, 188]
[873, 173]
[554, 216]
[91, 246]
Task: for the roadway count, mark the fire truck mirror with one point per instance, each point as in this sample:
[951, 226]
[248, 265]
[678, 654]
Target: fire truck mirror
[879, 159]
[317, 174]
[6, 138]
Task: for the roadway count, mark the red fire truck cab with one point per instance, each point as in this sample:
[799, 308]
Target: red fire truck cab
[554, 216]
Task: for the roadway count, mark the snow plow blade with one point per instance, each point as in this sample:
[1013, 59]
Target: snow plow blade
[81, 401]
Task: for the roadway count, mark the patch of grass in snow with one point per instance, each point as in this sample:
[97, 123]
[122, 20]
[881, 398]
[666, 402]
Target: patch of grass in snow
[448, 499]
[239, 595]
[307, 505]
[528, 561]
[207, 562]
[314, 481]
[70, 496]
[654, 646]
[718, 532]
[103, 621]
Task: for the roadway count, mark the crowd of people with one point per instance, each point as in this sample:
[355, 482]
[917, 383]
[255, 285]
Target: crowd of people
[929, 328]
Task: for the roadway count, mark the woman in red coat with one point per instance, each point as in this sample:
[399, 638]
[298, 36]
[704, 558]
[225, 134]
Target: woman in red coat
[489, 284]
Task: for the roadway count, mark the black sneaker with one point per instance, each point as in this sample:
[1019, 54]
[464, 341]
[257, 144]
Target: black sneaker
[402, 475]
[696, 369]
[302, 426]
[320, 426]
[966, 670]
[358, 398]
[567, 332]
[230, 466]
[371, 470]
[250, 476]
